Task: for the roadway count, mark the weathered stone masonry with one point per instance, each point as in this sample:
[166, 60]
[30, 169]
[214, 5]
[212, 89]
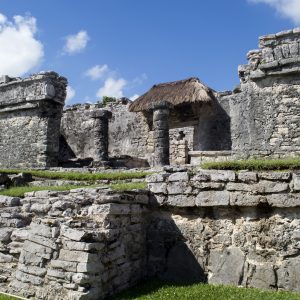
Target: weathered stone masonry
[197, 226]
[265, 110]
[226, 228]
[82, 244]
[30, 112]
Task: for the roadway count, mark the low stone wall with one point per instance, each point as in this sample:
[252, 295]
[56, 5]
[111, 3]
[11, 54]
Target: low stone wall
[83, 244]
[223, 227]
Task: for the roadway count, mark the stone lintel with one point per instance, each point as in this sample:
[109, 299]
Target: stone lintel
[95, 114]
[161, 105]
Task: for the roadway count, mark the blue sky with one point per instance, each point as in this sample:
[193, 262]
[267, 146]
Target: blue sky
[123, 47]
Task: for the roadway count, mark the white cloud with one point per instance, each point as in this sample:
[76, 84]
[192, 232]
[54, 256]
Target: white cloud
[97, 72]
[112, 88]
[134, 97]
[70, 93]
[20, 51]
[3, 19]
[76, 43]
[286, 8]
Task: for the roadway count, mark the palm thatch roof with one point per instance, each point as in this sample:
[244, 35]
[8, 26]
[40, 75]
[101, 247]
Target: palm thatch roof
[189, 90]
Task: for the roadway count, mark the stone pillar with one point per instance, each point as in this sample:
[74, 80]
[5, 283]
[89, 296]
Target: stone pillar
[161, 134]
[101, 134]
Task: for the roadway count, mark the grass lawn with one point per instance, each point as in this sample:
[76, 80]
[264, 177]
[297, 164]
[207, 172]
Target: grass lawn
[255, 164]
[6, 297]
[157, 290]
[79, 176]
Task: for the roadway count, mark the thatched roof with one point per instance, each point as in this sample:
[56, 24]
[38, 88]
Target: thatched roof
[189, 90]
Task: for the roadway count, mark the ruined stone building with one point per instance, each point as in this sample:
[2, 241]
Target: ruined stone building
[259, 118]
[189, 224]
[178, 122]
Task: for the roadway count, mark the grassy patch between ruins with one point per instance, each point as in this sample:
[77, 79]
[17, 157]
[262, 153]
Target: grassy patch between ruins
[21, 190]
[80, 176]
[255, 164]
[128, 186]
[164, 291]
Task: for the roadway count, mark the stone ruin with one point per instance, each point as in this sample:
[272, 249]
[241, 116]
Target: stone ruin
[192, 225]
[30, 114]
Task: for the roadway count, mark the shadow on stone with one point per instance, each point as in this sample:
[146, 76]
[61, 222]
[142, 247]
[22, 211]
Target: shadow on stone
[182, 267]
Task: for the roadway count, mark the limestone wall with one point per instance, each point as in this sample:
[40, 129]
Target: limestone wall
[265, 110]
[82, 244]
[226, 228]
[129, 134]
[30, 112]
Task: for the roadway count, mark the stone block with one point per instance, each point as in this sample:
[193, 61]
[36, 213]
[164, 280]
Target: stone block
[276, 176]
[33, 270]
[267, 187]
[289, 274]
[226, 266]
[213, 198]
[296, 182]
[73, 234]
[158, 188]
[82, 246]
[68, 266]
[283, 200]
[223, 176]
[9, 201]
[19, 235]
[201, 176]
[247, 177]
[6, 258]
[40, 208]
[90, 267]
[109, 209]
[38, 250]
[174, 188]
[263, 277]
[246, 199]
[28, 278]
[179, 176]
[77, 256]
[42, 241]
[30, 258]
[181, 200]
[5, 234]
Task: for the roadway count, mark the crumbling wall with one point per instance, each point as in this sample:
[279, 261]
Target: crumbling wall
[83, 244]
[265, 110]
[223, 227]
[30, 112]
[129, 134]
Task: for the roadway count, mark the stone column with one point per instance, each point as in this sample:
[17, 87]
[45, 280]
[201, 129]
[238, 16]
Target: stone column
[101, 134]
[161, 133]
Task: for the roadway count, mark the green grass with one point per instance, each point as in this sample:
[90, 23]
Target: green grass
[157, 290]
[6, 297]
[255, 164]
[79, 176]
[128, 186]
[21, 190]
